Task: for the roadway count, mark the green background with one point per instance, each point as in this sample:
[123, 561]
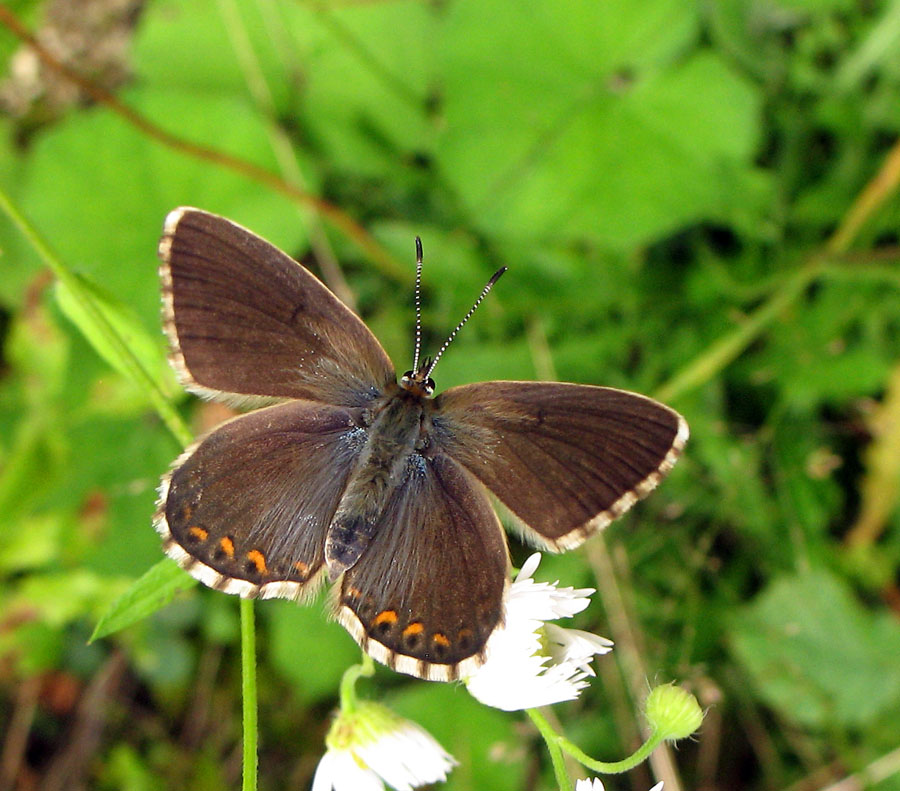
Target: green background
[674, 187]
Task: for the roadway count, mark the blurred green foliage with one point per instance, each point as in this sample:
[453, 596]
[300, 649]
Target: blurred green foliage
[655, 175]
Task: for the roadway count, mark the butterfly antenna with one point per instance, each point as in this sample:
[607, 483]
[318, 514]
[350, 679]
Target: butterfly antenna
[484, 292]
[418, 304]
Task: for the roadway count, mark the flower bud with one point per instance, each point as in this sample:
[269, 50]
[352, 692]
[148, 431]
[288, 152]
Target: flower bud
[672, 712]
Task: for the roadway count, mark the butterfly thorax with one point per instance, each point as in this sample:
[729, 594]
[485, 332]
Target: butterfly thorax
[393, 436]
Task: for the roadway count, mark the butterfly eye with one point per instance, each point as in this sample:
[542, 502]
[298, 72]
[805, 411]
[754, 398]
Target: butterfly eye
[406, 379]
[429, 386]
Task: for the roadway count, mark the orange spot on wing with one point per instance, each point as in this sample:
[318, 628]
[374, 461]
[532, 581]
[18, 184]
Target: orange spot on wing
[199, 533]
[441, 639]
[227, 546]
[413, 629]
[302, 567]
[386, 616]
[258, 559]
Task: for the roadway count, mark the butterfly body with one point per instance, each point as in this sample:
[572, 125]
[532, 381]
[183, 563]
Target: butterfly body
[392, 452]
[370, 482]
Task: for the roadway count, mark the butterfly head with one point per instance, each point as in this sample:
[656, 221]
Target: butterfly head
[419, 382]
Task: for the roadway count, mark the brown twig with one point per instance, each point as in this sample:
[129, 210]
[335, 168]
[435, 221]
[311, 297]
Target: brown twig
[17, 732]
[874, 194]
[333, 214]
[880, 769]
[68, 767]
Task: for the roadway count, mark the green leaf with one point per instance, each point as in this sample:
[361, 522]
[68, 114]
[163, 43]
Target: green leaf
[93, 315]
[149, 352]
[366, 99]
[33, 543]
[817, 655]
[110, 231]
[154, 590]
[572, 100]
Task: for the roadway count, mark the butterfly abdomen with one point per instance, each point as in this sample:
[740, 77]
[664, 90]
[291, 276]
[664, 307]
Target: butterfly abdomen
[381, 466]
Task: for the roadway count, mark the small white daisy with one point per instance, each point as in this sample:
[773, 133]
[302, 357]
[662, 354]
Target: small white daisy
[370, 746]
[532, 663]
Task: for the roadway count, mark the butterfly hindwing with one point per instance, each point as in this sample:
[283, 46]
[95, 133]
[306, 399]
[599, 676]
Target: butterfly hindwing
[245, 320]
[428, 592]
[565, 459]
[246, 509]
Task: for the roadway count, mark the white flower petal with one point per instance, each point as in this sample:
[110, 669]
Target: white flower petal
[407, 757]
[575, 646]
[531, 662]
[369, 745]
[338, 770]
[529, 567]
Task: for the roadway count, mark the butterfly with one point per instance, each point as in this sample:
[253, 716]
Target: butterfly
[345, 473]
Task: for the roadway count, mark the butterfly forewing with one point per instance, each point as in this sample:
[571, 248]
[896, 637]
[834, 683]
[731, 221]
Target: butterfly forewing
[428, 592]
[565, 459]
[246, 509]
[244, 319]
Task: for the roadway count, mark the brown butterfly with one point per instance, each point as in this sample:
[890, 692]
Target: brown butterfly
[376, 484]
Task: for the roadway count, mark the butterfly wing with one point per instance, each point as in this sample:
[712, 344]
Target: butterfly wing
[246, 509]
[565, 459]
[428, 591]
[246, 320]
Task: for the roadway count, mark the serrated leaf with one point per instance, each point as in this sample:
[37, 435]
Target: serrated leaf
[151, 592]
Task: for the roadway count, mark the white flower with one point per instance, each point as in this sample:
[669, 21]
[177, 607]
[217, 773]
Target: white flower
[370, 746]
[531, 663]
[594, 784]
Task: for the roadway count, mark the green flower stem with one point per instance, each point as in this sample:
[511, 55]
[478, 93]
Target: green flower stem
[364, 669]
[551, 738]
[602, 767]
[248, 693]
[138, 374]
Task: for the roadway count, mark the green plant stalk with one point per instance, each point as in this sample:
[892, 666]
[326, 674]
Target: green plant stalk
[138, 374]
[725, 350]
[248, 694]
[603, 767]
[551, 739]
[364, 669]
[873, 196]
